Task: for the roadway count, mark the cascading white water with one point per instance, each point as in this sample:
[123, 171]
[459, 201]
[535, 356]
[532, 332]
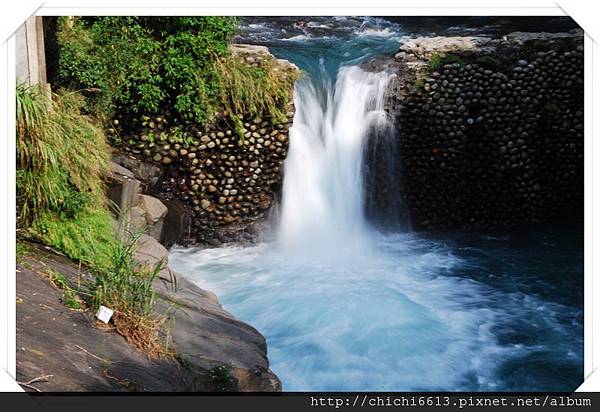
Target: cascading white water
[323, 192]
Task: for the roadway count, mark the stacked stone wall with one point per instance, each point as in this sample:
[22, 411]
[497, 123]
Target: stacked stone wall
[490, 130]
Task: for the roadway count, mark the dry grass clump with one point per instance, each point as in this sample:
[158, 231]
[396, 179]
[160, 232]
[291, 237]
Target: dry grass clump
[127, 289]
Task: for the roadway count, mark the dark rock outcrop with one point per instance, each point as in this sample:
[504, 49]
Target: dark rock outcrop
[177, 223]
[123, 189]
[206, 336]
[202, 335]
[55, 340]
[168, 220]
[147, 173]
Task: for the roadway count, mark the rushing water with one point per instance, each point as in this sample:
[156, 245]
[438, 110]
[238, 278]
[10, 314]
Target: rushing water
[323, 187]
[346, 307]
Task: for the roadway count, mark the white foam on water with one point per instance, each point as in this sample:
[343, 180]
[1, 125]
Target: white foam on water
[342, 307]
[392, 320]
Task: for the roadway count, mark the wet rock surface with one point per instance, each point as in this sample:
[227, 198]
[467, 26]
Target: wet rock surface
[490, 131]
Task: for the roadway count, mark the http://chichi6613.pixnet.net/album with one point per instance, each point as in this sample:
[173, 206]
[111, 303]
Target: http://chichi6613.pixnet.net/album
[300, 209]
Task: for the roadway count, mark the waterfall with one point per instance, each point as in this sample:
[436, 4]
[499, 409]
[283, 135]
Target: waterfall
[323, 190]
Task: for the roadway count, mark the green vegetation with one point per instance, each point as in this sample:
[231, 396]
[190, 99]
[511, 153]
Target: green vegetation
[124, 69]
[221, 378]
[88, 237]
[253, 91]
[62, 158]
[61, 155]
[70, 296]
[439, 60]
[21, 251]
[145, 65]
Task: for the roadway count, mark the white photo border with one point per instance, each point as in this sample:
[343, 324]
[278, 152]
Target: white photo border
[584, 12]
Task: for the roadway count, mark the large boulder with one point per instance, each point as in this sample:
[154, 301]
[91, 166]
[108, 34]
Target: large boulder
[154, 213]
[207, 336]
[150, 252]
[68, 346]
[136, 212]
[154, 208]
[137, 219]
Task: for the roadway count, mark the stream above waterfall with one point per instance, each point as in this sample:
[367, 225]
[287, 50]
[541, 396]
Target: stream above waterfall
[345, 306]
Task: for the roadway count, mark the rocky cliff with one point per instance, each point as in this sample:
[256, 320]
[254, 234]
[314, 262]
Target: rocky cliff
[490, 131]
[175, 183]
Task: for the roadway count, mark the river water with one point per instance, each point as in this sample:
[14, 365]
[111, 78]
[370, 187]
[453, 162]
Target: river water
[344, 306]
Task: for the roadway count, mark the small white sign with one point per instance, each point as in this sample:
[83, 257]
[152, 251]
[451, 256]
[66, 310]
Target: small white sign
[104, 314]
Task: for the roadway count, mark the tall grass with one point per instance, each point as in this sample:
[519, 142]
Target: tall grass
[128, 290]
[253, 91]
[61, 154]
[62, 158]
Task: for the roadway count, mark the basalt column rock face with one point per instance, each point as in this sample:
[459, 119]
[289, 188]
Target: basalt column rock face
[490, 131]
[227, 178]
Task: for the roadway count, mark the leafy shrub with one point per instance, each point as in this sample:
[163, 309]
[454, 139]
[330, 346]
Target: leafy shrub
[142, 65]
[112, 54]
[221, 378]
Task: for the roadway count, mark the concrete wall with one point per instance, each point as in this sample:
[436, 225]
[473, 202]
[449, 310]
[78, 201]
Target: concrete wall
[30, 53]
